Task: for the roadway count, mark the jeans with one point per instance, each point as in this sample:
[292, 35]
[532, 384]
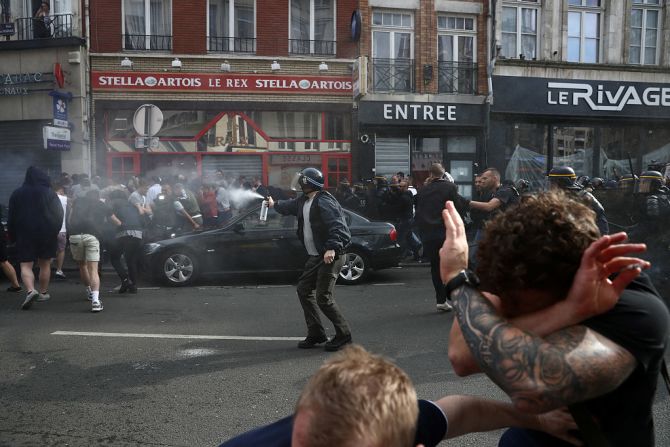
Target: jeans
[315, 290]
[130, 247]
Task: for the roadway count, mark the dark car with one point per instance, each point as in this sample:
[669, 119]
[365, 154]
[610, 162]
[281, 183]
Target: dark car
[249, 245]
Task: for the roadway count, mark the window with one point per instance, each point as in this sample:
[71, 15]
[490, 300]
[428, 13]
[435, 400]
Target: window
[456, 43]
[519, 30]
[392, 51]
[644, 32]
[147, 25]
[584, 31]
[312, 27]
[232, 26]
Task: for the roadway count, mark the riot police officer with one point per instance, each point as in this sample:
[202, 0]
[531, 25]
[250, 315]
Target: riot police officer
[655, 204]
[564, 177]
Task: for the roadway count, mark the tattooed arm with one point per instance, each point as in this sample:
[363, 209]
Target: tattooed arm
[571, 365]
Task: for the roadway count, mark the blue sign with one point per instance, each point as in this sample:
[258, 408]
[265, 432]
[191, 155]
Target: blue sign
[60, 105]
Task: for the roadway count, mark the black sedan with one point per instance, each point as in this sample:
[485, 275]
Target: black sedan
[249, 245]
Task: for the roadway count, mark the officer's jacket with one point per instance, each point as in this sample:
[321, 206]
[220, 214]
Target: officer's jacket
[329, 227]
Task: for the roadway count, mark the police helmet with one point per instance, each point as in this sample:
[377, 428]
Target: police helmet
[597, 183]
[308, 178]
[650, 182]
[562, 176]
[627, 183]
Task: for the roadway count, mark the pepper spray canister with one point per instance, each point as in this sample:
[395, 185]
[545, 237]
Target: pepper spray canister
[264, 211]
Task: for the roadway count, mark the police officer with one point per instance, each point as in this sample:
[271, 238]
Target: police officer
[655, 203]
[564, 177]
[323, 231]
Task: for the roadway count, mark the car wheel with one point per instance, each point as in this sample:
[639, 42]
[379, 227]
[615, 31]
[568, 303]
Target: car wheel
[354, 269]
[178, 268]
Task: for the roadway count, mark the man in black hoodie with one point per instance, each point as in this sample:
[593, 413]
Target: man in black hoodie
[34, 221]
[430, 202]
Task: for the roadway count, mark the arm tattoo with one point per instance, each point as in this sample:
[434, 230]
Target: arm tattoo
[568, 366]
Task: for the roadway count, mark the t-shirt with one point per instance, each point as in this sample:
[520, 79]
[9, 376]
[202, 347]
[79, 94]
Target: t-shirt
[63, 202]
[308, 235]
[639, 323]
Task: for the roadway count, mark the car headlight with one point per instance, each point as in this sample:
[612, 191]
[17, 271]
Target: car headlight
[151, 248]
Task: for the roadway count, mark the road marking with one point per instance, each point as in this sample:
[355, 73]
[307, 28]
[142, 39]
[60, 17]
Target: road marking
[389, 284]
[269, 286]
[176, 336]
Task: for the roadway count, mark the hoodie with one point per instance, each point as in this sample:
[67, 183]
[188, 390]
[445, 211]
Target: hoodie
[34, 208]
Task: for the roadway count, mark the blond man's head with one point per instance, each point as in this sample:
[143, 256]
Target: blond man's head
[356, 399]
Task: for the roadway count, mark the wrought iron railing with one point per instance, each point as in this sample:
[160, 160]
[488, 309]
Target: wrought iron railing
[312, 47]
[392, 75]
[49, 27]
[146, 42]
[457, 77]
[232, 44]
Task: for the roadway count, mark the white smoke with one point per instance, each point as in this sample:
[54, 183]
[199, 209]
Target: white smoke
[240, 198]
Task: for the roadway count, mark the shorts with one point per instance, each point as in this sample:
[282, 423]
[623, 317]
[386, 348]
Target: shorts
[62, 241]
[30, 248]
[85, 247]
[3, 248]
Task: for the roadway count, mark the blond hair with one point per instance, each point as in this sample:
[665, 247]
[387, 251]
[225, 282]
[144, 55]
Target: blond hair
[360, 399]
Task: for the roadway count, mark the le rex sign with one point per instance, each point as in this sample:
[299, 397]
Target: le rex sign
[228, 82]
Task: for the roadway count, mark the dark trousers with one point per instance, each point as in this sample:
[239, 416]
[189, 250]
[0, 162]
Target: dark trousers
[315, 290]
[130, 247]
[431, 250]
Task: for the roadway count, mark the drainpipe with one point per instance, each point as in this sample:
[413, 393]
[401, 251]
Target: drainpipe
[87, 80]
[491, 58]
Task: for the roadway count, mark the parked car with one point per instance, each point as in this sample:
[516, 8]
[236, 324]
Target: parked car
[249, 245]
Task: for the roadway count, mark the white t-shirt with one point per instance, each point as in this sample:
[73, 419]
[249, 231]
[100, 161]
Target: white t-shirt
[152, 193]
[308, 236]
[63, 202]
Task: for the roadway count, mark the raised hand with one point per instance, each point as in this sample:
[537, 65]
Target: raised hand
[454, 251]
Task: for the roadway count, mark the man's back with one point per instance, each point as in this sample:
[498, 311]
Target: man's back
[430, 202]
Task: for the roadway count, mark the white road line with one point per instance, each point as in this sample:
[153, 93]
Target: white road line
[175, 336]
[269, 286]
[390, 284]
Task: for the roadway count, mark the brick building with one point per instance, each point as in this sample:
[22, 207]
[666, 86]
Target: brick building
[256, 88]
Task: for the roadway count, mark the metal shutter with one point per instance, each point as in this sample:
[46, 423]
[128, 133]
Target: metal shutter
[391, 155]
[21, 146]
[236, 166]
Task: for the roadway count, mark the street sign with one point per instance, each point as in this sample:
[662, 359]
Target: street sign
[148, 120]
[56, 138]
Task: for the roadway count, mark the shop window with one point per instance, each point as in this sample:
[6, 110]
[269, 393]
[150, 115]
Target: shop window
[574, 147]
[584, 31]
[645, 27]
[290, 125]
[646, 146]
[312, 30]
[392, 51]
[456, 43]
[519, 29]
[523, 151]
[147, 25]
[338, 126]
[232, 26]
[462, 144]
[338, 169]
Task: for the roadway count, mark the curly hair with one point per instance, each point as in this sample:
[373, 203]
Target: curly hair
[537, 244]
[360, 399]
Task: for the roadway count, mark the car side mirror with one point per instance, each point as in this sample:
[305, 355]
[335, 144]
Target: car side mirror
[238, 228]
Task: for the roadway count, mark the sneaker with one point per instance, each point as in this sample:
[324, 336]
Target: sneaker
[96, 306]
[89, 295]
[337, 342]
[14, 289]
[125, 285]
[310, 341]
[132, 288]
[444, 307]
[60, 276]
[43, 297]
[32, 296]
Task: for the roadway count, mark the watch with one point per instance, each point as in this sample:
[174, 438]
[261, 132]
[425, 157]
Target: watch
[464, 277]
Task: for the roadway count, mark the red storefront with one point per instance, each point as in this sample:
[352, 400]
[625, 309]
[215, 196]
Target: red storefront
[246, 124]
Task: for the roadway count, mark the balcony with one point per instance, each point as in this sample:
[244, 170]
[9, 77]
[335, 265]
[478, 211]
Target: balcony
[52, 31]
[393, 75]
[457, 77]
[311, 47]
[232, 44]
[147, 42]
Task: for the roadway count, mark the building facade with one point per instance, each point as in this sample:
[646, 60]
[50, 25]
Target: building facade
[580, 83]
[422, 88]
[255, 88]
[44, 114]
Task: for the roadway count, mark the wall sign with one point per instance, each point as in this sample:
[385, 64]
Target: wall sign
[419, 114]
[56, 138]
[587, 98]
[229, 82]
[16, 84]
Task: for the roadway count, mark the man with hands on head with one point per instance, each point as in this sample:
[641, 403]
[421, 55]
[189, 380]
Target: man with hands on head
[324, 233]
[568, 319]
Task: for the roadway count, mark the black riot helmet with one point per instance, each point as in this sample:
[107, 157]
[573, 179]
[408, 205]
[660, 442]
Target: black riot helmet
[650, 182]
[309, 179]
[562, 176]
[627, 183]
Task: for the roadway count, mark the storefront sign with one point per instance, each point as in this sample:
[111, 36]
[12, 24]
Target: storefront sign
[7, 29]
[229, 82]
[294, 159]
[587, 98]
[415, 113]
[56, 138]
[15, 84]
